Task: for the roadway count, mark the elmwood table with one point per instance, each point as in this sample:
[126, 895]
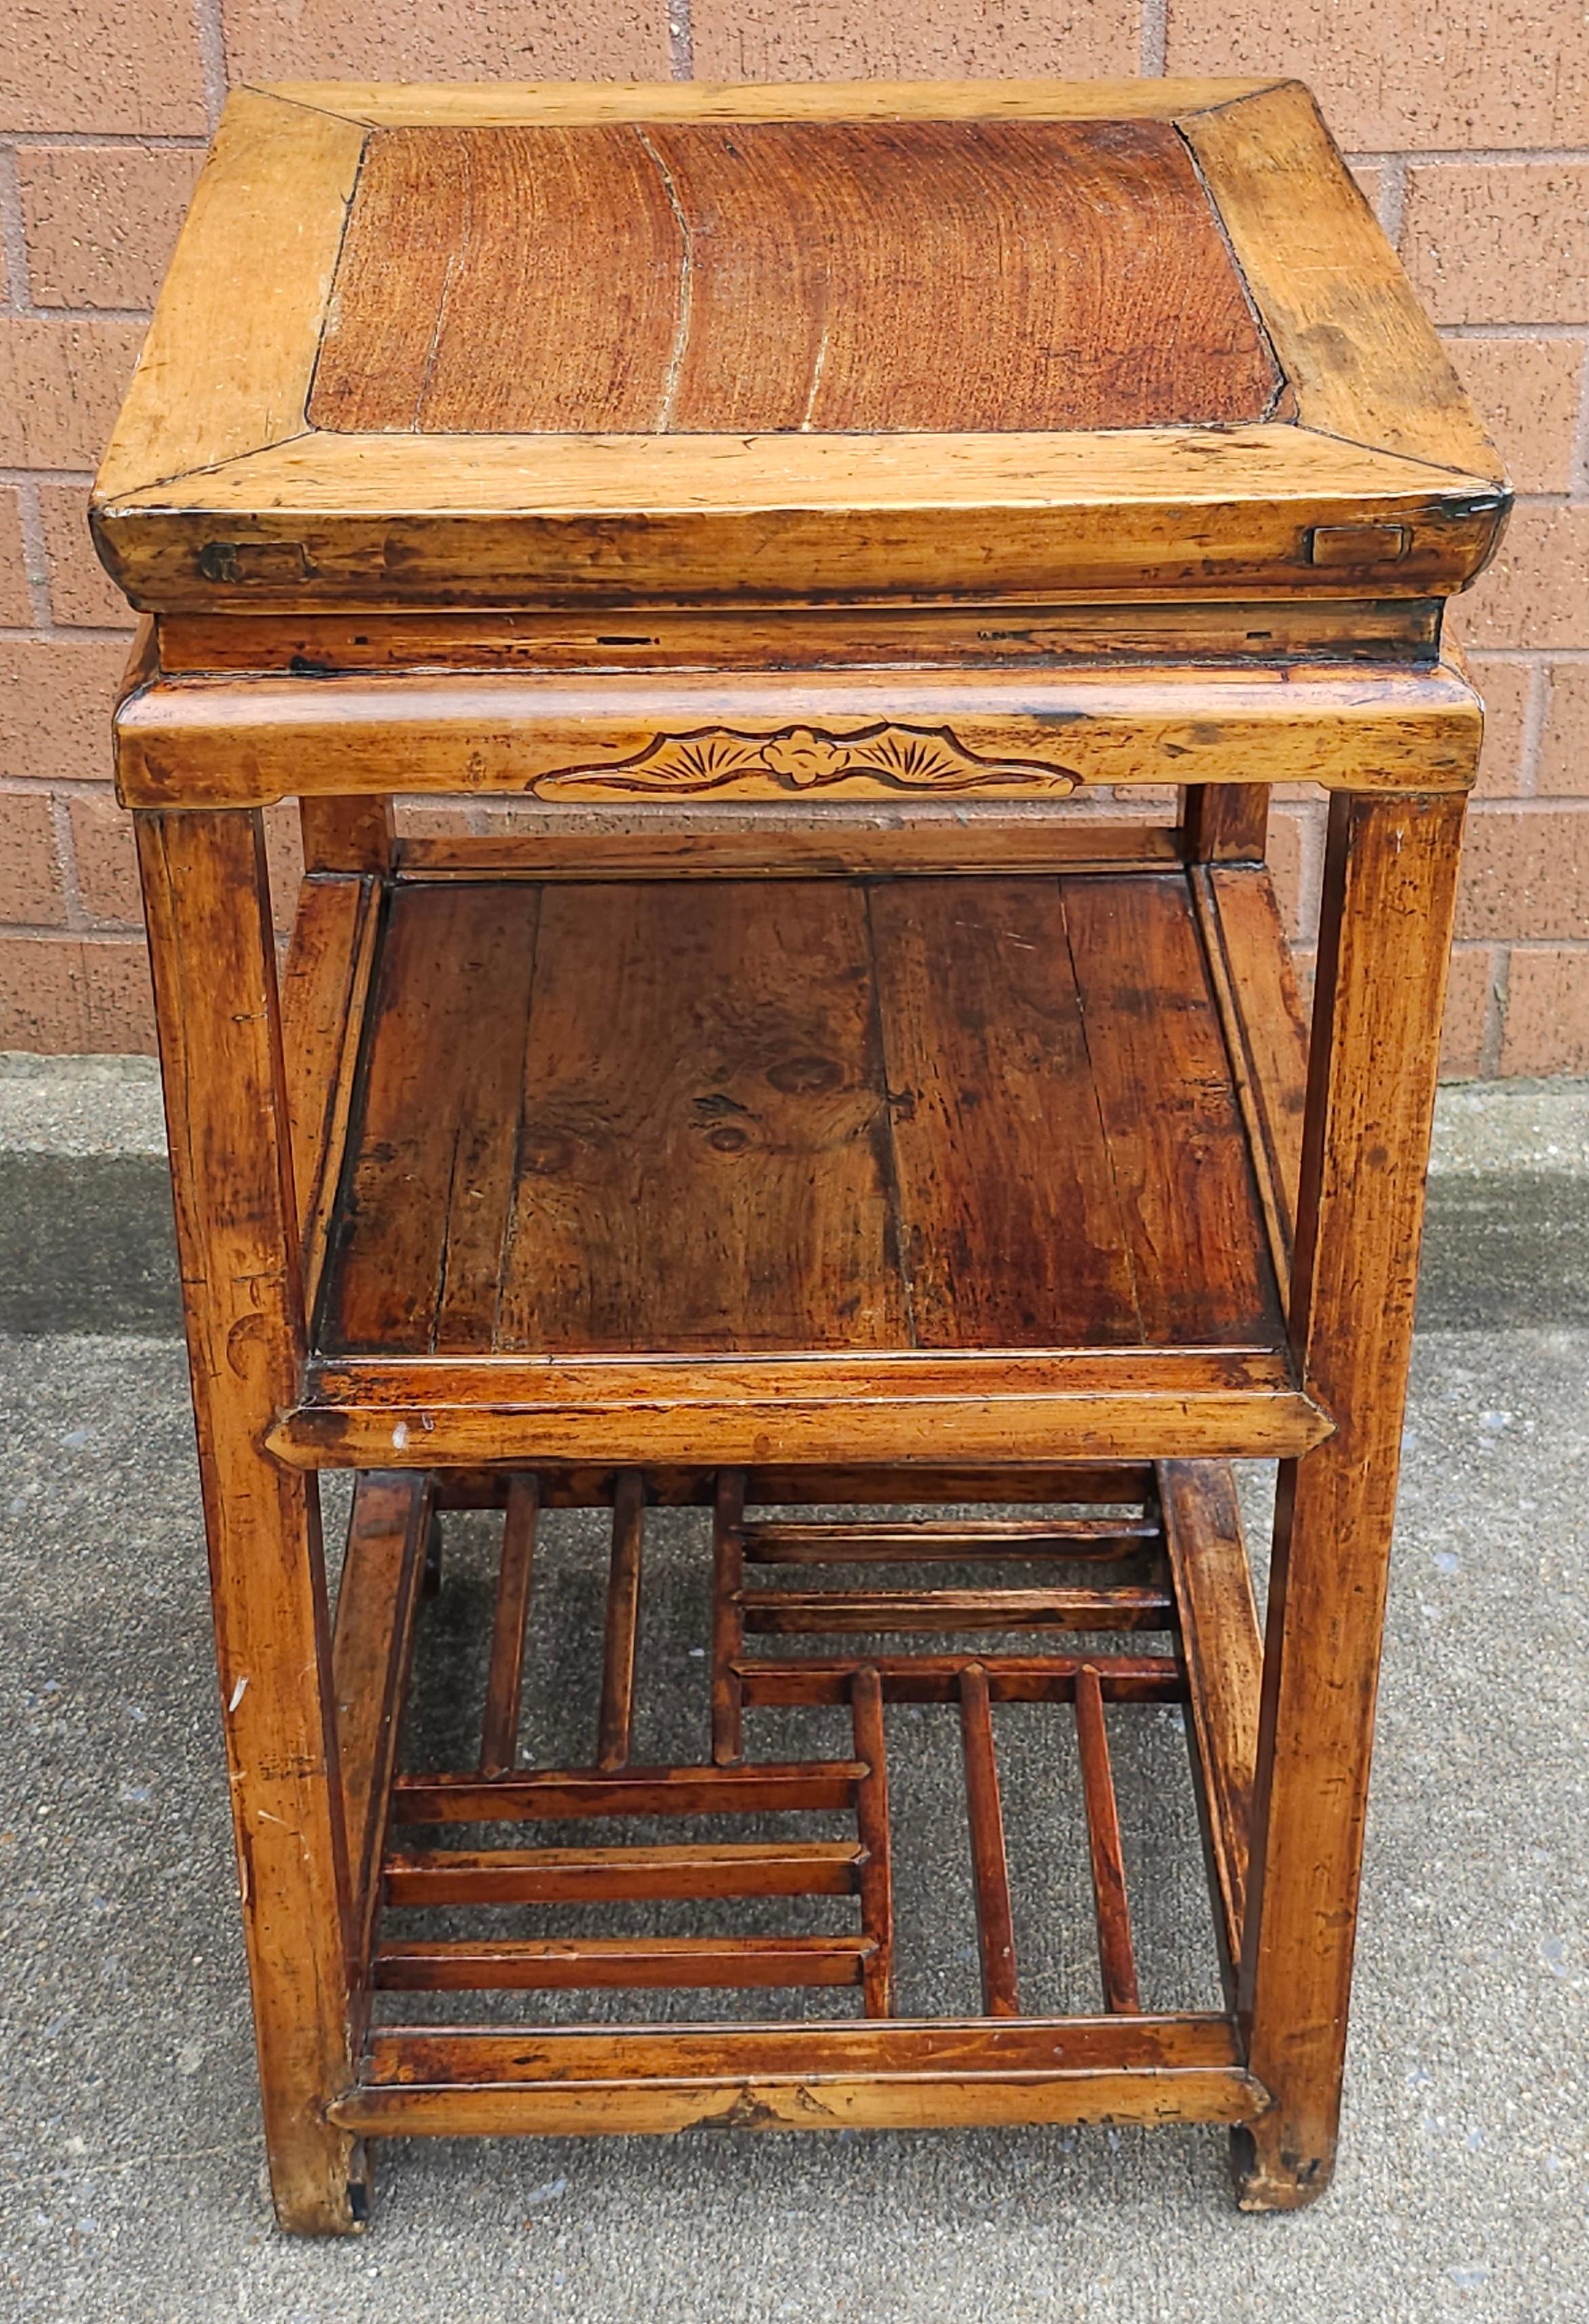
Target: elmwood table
[857, 558]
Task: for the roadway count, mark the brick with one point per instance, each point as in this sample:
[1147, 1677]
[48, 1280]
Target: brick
[1505, 686]
[1467, 1014]
[1564, 748]
[1370, 177]
[106, 859]
[17, 605]
[1525, 874]
[1293, 860]
[820, 40]
[82, 595]
[1483, 72]
[55, 698]
[132, 67]
[30, 890]
[283, 836]
[65, 994]
[1499, 242]
[1547, 1026]
[101, 220]
[61, 388]
[1536, 591]
[1526, 391]
[447, 39]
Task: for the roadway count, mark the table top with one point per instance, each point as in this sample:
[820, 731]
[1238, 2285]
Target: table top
[495, 346]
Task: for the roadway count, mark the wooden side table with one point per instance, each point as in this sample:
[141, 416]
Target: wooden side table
[833, 516]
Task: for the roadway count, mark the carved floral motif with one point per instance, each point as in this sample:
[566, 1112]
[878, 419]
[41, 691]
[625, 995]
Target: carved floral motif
[804, 757]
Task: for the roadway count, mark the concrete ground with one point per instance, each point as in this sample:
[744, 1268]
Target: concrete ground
[131, 2171]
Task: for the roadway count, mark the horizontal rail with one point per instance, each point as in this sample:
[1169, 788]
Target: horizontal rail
[591, 1875]
[874, 2074]
[928, 1540]
[545, 1964]
[568, 1794]
[936, 1678]
[824, 1613]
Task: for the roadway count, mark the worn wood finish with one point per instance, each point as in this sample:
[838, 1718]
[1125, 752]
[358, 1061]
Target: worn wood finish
[504, 1678]
[835, 277]
[1120, 1405]
[936, 1678]
[1226, 823]
[561, 1795]
[877, 1613]
[757, 843]
[1218, 1630]
[738, 637]
[1116, 1958]
[372, 1649]
[741, 1125]
[780, 736]
[212, 951]
[926, 1540]
[1389, 891]
[1345, 322]
[592, 1875]
[989, 1872]
[348, 834]
[875, 1869]
[325, 986]
[1118, 1486]
[622, 1624]
[728, 1556]
[563, 1964]
[1266, 1034]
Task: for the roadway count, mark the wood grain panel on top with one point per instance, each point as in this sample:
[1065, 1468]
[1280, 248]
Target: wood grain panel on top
[702, 1153]
[778, 276]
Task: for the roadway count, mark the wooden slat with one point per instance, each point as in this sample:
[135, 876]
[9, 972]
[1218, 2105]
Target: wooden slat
[1266, 1032]
[590, 741]
[590, 1876]
[986, 1058]
[1226, 823]
[348, 834]
[1115, 1958]
[561, 1964]
[699, 1161]
[568, 1794]
[872, 1823]
[767, 844]
[995, 1932]
[1223, 1659]
[963, 1540]
[372, 1648]
[1010, 1484]
[824, 1613]
[421, 1219]
[623, 1623]
[325, 986]
[936, 1678]
[727, 1618]
[499, 1737]
[1119, 1404]
[1175, 1144]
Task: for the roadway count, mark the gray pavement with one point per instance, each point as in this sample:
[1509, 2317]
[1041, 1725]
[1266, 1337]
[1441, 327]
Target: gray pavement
[131, 2178]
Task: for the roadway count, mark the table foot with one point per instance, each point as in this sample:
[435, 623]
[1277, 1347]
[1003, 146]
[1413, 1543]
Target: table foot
[1269, 2172]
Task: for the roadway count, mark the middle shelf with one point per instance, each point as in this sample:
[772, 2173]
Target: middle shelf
[990, 1166]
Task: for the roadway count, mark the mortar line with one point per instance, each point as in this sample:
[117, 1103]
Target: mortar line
[13, 239]
[209, 19]
[1155, 36]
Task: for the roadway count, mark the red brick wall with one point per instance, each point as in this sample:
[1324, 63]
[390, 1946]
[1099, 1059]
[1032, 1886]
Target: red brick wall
[1469, 126]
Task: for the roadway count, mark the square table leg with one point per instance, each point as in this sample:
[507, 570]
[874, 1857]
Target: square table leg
[1389, 893]
[212, 950]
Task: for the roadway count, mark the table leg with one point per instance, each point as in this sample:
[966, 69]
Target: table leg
[212, 950]
[1389, 889]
